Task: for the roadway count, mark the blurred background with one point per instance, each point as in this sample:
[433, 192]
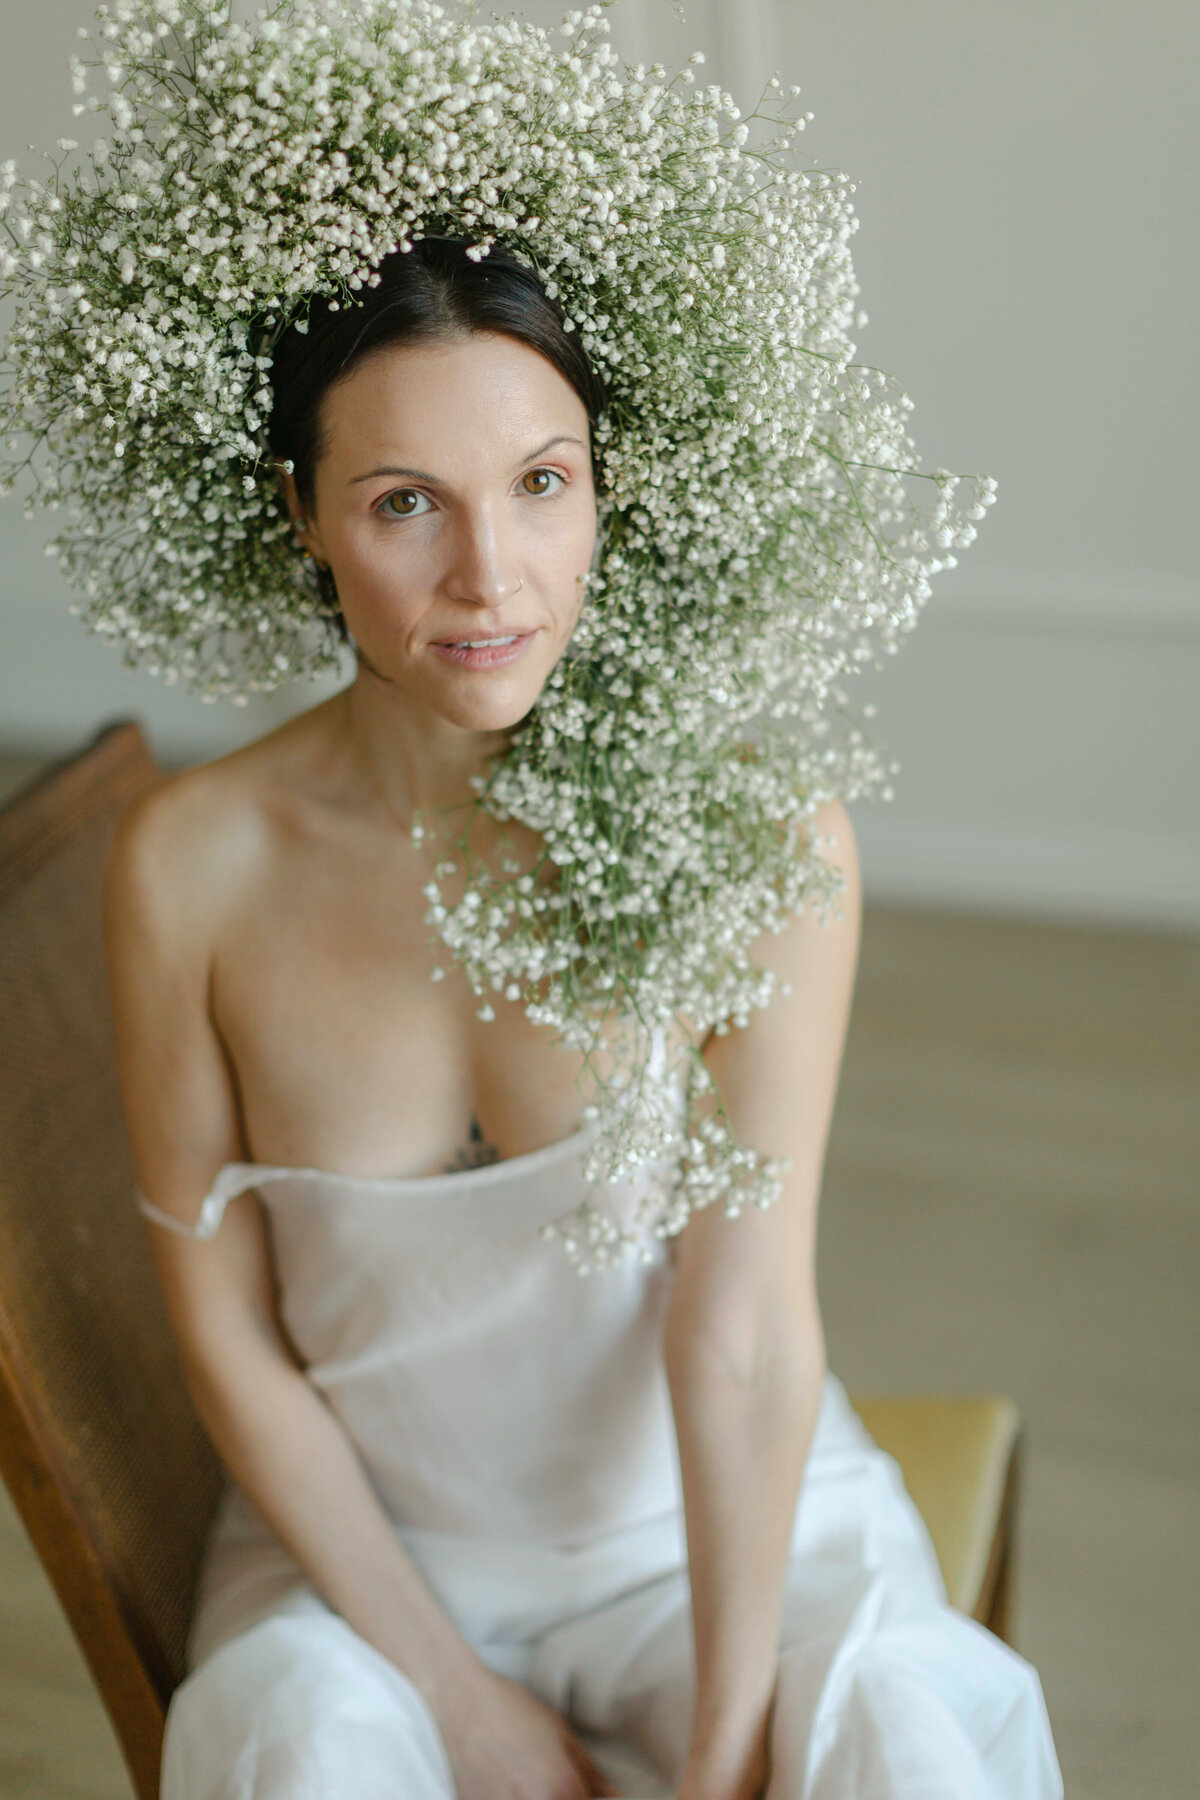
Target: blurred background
[1010, 1198]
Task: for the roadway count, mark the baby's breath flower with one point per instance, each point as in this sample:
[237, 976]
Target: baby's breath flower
[757, 540]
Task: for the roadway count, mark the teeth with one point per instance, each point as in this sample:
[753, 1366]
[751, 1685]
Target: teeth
[485, 643]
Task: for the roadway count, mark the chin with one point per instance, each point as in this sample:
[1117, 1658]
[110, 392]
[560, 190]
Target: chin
[492, 706]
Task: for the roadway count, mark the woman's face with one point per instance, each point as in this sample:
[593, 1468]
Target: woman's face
[456, 511]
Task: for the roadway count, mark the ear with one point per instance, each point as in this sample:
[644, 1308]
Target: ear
[304, 527]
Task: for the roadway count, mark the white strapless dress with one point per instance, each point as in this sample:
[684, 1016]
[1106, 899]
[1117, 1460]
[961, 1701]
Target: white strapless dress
[515, 1420]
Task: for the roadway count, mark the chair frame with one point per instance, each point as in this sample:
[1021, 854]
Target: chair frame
[995, 1606]
[119, 1643]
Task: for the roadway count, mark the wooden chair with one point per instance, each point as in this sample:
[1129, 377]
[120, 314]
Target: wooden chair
[100, 1445]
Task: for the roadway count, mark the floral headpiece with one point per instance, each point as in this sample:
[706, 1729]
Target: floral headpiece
[757, 541]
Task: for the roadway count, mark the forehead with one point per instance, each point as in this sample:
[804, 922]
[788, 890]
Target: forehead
[467, 398]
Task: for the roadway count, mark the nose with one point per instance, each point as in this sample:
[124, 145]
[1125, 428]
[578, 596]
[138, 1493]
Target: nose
[482, 568]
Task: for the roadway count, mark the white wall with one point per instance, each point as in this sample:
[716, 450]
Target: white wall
[1028, 257]
[1027, 192]
[58, 682]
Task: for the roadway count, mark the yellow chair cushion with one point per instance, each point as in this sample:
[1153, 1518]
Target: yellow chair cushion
[954, 1452]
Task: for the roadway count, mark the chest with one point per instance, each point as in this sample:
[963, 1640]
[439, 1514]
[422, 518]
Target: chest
[346, 1051]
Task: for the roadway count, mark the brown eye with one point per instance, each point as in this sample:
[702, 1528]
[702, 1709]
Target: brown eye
[402, 504]
[542, 477]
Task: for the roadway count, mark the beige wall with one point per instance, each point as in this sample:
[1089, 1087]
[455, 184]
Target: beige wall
[1027, 187]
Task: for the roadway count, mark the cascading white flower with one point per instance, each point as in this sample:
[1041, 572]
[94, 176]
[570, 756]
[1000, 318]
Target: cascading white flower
[252, 167]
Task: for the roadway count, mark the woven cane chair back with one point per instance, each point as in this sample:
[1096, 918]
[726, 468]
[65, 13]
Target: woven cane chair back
[100, 1445]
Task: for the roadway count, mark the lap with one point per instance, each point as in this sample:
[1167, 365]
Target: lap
[882, 1689]
[298, 1706]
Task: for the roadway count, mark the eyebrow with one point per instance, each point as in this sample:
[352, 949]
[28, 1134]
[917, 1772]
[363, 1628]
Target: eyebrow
[436, 481]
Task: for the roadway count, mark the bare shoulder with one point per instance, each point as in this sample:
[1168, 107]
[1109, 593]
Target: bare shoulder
[804, 941]
[175, 847]
[830, 840]
[191, 840]
[184, 854]
[832, 824]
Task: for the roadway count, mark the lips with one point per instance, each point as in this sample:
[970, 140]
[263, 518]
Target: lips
[484, 650]
[481, 641]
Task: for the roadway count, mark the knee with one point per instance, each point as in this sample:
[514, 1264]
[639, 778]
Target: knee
[1021, 1749]
[937, 1695]
[299, 1706]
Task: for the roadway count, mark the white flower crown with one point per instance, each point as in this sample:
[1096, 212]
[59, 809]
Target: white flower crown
[757, 541]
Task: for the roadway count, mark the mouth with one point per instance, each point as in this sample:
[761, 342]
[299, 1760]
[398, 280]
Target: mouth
[485, 650]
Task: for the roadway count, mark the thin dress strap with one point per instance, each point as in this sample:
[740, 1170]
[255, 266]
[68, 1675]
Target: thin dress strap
[232, 1180]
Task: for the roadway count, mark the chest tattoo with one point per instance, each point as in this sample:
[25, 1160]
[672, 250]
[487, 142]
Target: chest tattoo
[474, 1154]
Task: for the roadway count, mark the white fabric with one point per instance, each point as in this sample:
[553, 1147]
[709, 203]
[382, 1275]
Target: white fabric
[516, 1422]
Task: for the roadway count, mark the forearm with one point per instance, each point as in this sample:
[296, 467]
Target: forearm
[743, 1442]
[292, 1457]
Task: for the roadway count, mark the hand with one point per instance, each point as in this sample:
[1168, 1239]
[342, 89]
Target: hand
[505, 1743]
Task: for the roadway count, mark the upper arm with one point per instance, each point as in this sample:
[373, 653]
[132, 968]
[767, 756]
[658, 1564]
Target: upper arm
[777, 1077]
[179, 1093]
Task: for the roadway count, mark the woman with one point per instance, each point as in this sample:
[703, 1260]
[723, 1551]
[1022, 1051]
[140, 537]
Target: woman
[494, 1532]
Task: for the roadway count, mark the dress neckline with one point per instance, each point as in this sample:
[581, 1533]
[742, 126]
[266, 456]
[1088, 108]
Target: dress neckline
[234, 1178]
[480, 1172]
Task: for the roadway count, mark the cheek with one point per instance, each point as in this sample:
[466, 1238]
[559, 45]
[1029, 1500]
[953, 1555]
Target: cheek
[569, 539]
[378, 591]
[365, 555]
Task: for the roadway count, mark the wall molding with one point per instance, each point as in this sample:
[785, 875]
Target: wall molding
[56, 686]
[1130, 879]
[1043, 600]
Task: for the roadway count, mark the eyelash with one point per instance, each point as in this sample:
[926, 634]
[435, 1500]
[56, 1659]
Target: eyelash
[382, 507]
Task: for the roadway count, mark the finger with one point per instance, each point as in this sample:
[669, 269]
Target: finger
[598, 1782]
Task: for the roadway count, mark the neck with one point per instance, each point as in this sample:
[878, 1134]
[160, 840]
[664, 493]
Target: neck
[414, 760]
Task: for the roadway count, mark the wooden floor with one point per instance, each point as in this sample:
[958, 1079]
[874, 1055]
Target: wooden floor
[1009, 1205]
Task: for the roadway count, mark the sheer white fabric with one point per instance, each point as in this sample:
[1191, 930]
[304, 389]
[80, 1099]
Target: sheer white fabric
[515, 1420]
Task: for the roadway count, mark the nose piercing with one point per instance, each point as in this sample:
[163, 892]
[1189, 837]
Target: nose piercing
[520, 584]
